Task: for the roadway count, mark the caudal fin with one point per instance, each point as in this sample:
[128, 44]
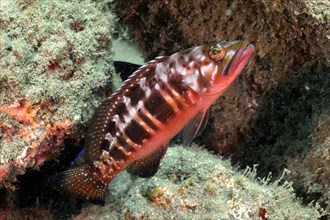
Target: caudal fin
[80, 182]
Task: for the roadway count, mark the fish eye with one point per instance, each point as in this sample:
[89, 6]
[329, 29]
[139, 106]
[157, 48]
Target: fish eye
[216, 53]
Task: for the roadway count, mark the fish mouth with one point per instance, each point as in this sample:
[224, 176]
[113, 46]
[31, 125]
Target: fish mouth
[240, 59]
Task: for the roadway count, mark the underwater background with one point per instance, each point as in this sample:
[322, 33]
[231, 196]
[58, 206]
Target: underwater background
[264, 154]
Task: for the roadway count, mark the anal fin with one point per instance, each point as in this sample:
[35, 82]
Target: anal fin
[148, 166]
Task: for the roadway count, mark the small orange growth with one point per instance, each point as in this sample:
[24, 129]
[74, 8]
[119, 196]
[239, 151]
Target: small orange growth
[22, 111]
[158, 197]
[189, 205]
[181, 190]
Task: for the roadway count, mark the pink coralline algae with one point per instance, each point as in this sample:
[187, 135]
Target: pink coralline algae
[54, 68]
[22, 111]
[30, 122]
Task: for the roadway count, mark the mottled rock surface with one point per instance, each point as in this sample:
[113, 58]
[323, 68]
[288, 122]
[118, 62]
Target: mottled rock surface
[284, 91]
[194, 184]
[53, 73]
[288, 38]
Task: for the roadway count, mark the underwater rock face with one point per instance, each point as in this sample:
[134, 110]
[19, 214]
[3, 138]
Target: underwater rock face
[53, 65]
[284, 90]
[53, 60]
[287, 37]
[290, 131]
[313, 170]
[194, 184]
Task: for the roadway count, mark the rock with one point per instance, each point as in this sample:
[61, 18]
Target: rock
[283, 92]
[53, 73]
[194, 184]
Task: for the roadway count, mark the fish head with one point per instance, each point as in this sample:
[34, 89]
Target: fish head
[217, 65]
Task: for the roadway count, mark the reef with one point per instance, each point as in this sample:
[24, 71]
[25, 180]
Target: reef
[288, 38]
[194, 184]
[55, 68]
[290, 131]
[313, 169]
[283, 94]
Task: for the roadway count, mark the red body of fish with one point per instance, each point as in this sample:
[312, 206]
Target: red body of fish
[134, 125]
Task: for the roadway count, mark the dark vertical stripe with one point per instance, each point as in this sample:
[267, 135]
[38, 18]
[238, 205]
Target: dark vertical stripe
[117, 154]
[122, 142]
[174, 96]
[148, 121]
[158, 107]
[105, 144]
[111, 128]
[121, 110]
[136, 132]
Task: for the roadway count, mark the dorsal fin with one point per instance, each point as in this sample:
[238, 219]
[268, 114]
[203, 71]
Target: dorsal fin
[194, 127]
[148, 166]
[125, 69]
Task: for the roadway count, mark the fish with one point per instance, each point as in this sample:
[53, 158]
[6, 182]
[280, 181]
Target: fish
[125, 69]
[131, 129]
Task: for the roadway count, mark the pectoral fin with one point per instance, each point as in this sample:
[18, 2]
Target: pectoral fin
[194, 127]
[148, 166]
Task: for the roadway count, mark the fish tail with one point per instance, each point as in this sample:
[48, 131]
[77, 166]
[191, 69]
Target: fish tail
[80, 182]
